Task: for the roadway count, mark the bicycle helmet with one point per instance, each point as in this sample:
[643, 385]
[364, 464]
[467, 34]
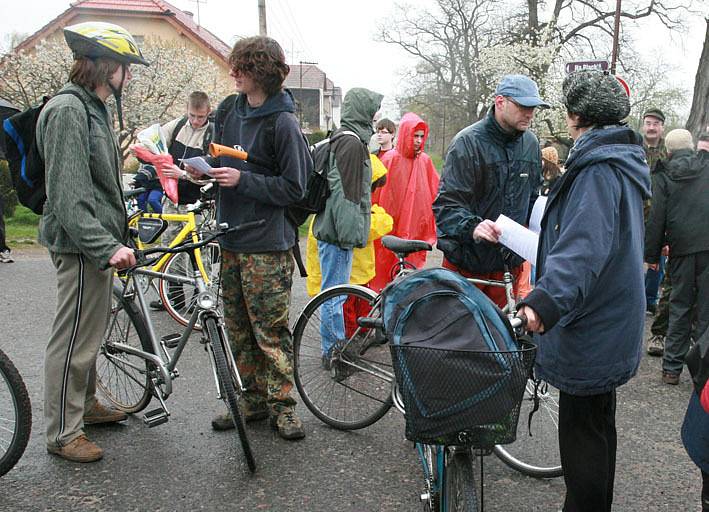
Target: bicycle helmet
[94, 39]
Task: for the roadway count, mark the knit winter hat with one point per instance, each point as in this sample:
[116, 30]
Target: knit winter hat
[551, 154]
[595, 95]
[678, 139]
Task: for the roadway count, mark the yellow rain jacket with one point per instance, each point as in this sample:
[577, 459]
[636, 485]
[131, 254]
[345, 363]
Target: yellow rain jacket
[362, 258]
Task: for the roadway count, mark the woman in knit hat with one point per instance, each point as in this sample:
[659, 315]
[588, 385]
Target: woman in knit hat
[590, 261]
[550, 169]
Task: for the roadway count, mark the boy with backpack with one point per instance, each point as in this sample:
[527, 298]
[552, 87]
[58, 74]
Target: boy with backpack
[84, 227]
[257, 266]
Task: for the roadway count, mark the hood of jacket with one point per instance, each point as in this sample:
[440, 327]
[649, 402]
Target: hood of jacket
[408, 125]
[683, 164]
[617, 146]
[358, 109]
[280, 102]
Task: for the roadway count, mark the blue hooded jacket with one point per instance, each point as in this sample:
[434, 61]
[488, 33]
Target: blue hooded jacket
[590, 291]
[262, 192]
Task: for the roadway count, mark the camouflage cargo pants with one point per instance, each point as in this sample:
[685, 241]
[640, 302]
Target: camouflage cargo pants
[256, 292]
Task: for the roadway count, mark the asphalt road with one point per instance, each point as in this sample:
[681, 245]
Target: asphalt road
[183, 465]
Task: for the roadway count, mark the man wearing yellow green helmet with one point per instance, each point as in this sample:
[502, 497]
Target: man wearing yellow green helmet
[84, 228]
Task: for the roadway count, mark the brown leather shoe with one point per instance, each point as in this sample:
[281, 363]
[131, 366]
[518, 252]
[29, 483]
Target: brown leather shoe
[78, 450]
[99, 413]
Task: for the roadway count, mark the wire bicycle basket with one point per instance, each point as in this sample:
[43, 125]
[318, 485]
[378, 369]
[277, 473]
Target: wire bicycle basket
[460, 397]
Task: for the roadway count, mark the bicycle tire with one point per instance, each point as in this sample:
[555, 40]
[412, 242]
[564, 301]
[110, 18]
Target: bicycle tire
[459, 483]
[179, 298]
[536, 455]
[15, 415]
[228, 383]
[345, 402]
[124, 379]
[428, 454]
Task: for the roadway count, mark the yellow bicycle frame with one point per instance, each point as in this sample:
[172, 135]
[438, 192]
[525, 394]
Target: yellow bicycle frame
[188, 230]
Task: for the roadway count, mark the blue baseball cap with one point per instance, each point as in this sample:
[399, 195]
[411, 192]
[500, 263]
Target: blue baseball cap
[522, 89]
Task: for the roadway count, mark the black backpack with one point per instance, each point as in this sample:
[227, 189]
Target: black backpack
[317, 189]
[25, 162]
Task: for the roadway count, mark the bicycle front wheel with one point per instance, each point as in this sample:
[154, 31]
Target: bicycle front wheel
[228, 384]
[123, 378]
[179, 298]
[350, 388]
[459, 482]
[536, 455]
[15, 415]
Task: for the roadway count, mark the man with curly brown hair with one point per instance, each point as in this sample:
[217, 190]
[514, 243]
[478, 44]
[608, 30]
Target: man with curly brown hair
[257, 266]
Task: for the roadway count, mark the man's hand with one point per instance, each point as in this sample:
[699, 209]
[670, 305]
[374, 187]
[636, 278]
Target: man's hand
[122, 258]
[534, 323]
[487, 230]
[173, 172]
[226, 176]
[651, 266]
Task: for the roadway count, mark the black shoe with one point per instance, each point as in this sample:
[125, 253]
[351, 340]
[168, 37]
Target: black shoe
[157, 305]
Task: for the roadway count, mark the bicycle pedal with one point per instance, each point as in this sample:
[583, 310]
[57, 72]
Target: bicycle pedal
[171, 340]
[155, 417]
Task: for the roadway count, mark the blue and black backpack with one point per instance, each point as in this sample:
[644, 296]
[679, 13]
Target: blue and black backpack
[25, 162]
[460, 370]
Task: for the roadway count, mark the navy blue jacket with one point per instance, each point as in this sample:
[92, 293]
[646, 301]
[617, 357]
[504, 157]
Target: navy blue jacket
[262, 192]
[487, 172]
[590, 291]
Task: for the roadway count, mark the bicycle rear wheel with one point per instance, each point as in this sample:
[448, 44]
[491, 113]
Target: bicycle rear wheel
[352, 389]
[15, 415]
[179, 298]
[228, 384]
[536, 455]
[459, 482]
[124, 379]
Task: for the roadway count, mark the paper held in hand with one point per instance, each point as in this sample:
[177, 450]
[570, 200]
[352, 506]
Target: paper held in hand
[518, 238]
[199, 164]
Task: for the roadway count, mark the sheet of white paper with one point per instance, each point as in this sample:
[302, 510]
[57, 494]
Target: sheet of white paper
[535, 220]
[518, 238]
[198, 163]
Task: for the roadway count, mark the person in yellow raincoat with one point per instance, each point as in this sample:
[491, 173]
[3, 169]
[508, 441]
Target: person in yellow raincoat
[363, 268]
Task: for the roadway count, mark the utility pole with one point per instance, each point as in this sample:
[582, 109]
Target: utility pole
[616, 35]
[262, 18]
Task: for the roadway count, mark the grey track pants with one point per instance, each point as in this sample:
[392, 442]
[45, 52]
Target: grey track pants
[83, 305]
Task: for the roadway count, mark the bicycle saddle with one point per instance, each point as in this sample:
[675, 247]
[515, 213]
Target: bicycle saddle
[400, 246]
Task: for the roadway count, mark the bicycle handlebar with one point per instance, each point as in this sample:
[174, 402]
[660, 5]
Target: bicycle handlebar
[140, 255]
[127, 194]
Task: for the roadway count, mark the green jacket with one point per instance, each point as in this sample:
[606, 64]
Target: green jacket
[84, 212]
[347, 215]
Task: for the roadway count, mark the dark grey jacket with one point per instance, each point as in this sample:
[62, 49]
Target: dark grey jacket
[487, 172]
[84, 212]
[263, 192]
[679, 216]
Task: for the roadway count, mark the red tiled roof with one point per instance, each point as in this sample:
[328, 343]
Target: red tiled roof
[154, 7]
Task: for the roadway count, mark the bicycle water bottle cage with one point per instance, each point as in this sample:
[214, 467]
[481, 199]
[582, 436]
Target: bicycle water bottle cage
[149, 229]
[402, 247]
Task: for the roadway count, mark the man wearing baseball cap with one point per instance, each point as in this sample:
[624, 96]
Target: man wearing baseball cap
[654, 145]
[492, 167]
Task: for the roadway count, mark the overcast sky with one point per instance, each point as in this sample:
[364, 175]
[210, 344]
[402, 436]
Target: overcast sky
[339, 35]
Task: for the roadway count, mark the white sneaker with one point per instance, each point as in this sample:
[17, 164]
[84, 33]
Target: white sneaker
[5, 257]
